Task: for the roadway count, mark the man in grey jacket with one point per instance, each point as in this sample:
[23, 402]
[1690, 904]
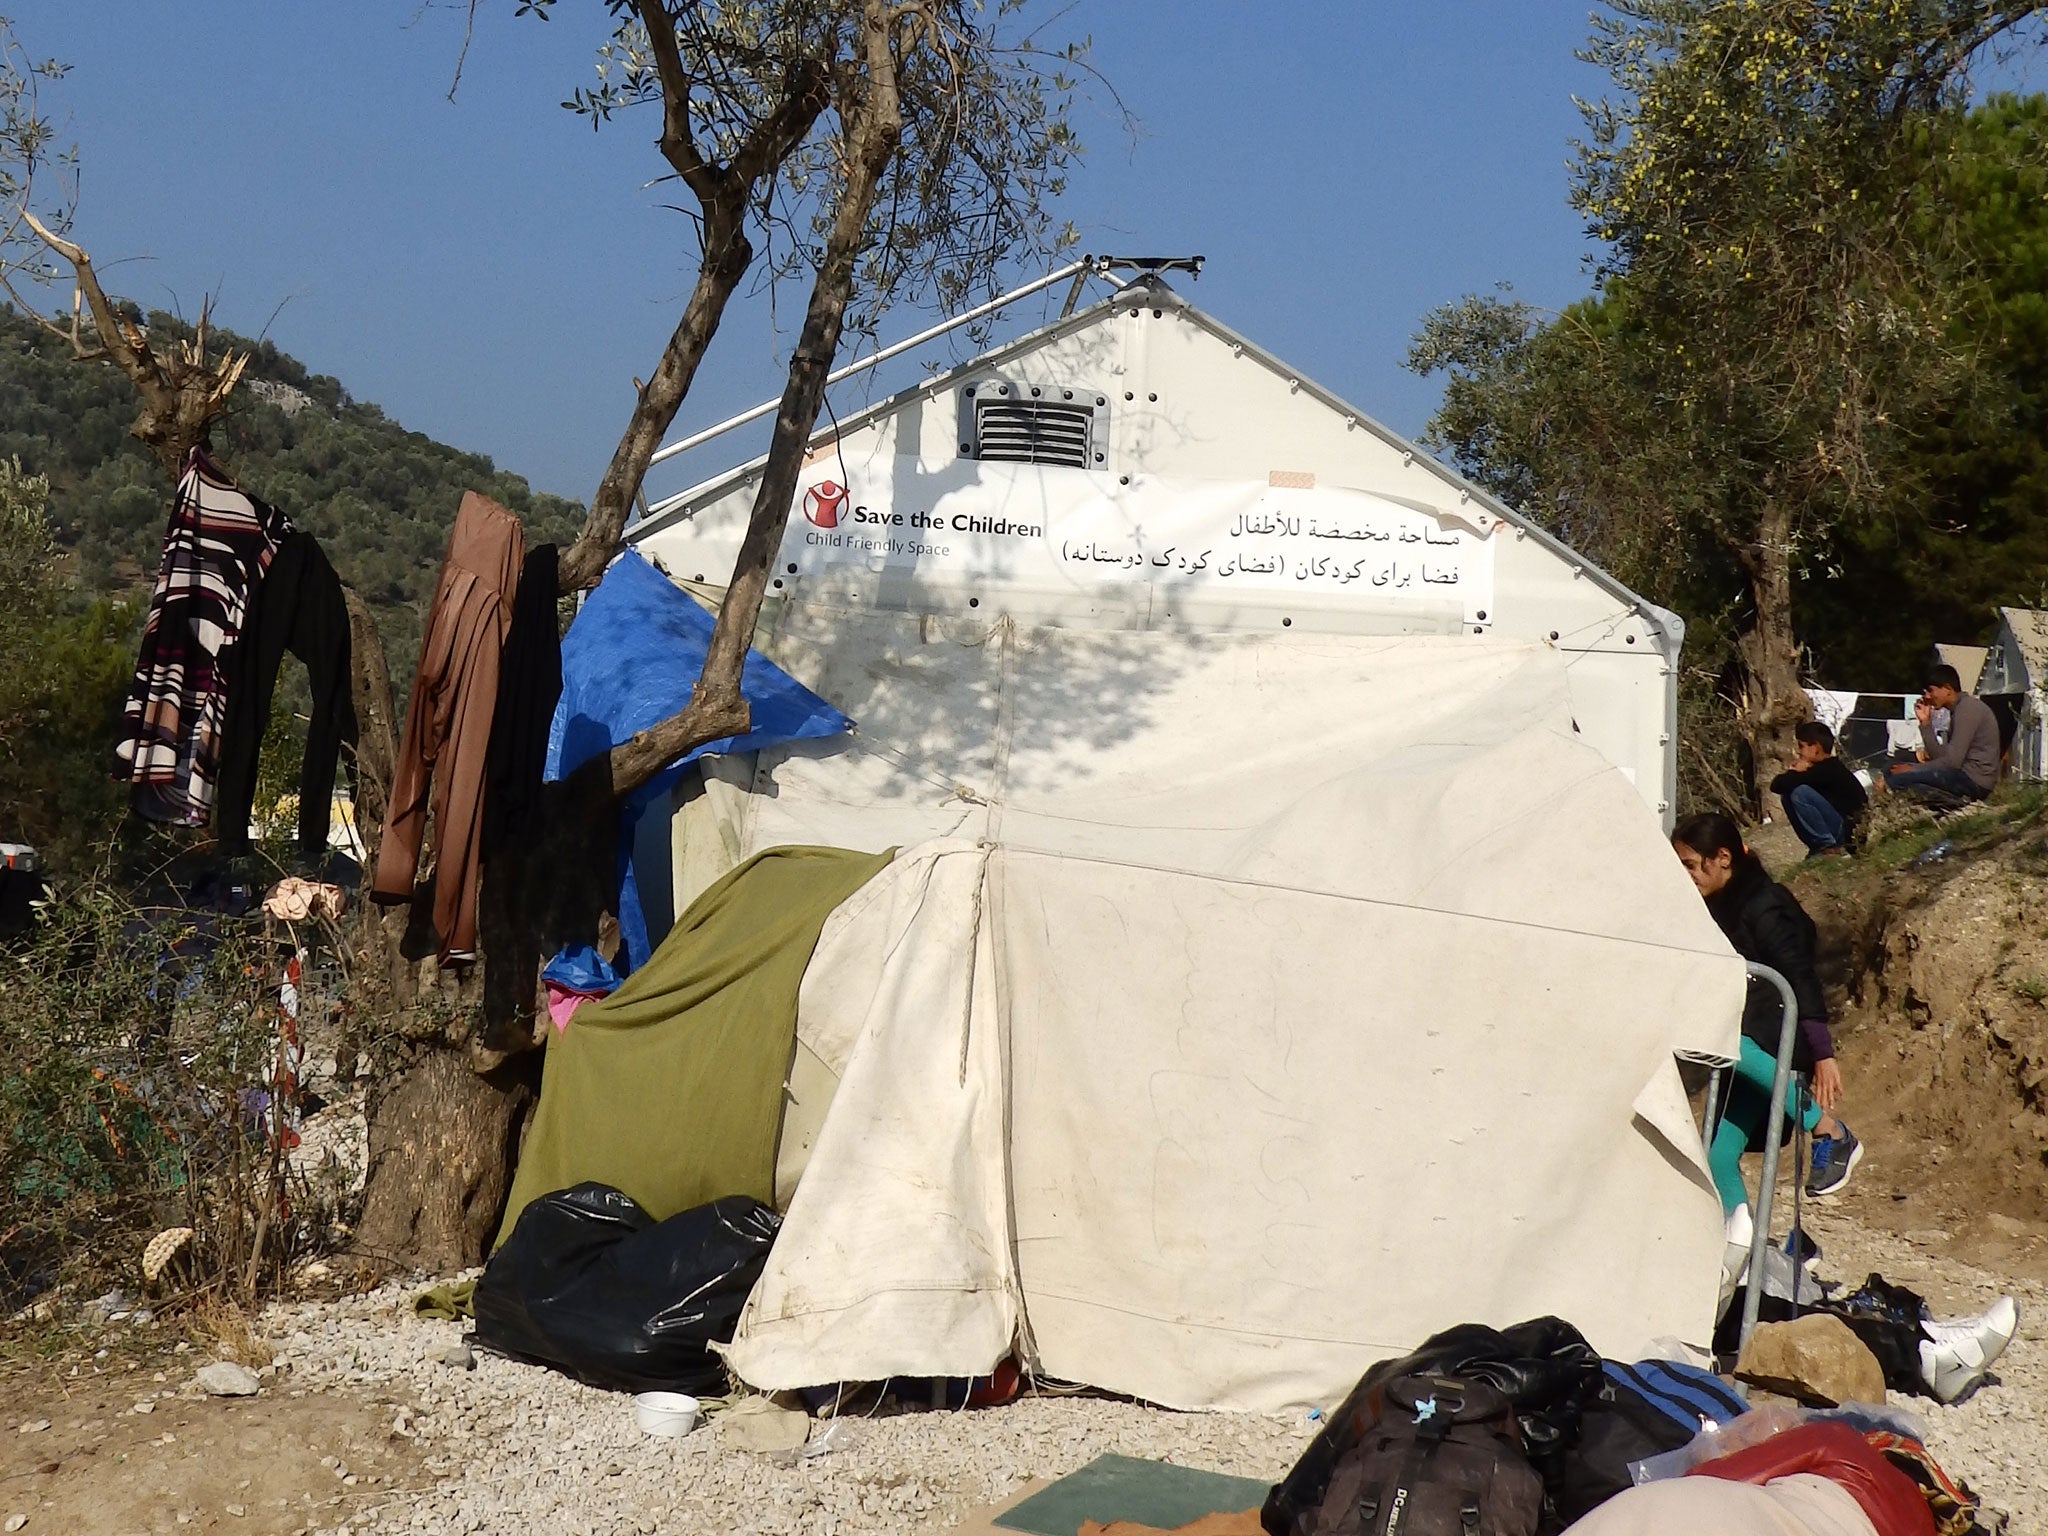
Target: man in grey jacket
[1965, 767]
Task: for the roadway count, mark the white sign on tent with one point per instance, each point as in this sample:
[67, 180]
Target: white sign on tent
[1026, 525]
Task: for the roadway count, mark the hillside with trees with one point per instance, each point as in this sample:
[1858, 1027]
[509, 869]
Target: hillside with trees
[83, 506]
[380, 499]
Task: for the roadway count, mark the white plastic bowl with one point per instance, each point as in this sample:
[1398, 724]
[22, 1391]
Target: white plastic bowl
[665, 1413]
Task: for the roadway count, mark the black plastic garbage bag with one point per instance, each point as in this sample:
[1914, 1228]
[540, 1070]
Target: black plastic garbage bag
[1545, 1366]
[591, 1284]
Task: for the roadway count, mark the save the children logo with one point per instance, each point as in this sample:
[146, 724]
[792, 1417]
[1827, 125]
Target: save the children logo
[822, 503]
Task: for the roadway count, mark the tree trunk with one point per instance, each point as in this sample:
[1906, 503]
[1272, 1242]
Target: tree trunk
[442, 1145]
[1773, 702]
[716, 707]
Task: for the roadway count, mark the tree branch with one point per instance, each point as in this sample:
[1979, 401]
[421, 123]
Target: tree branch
[121, 341]
[874, 131]
[678, 142]
[727, 254]
[806, 92]
[724, 194]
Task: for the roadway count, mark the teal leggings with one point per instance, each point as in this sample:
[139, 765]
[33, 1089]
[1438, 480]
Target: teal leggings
[1747, 1092]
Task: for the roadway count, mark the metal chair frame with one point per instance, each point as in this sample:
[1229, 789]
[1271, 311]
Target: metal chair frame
[1774, 1146]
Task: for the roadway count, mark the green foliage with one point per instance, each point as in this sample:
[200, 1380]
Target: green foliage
[1559, 415]
[27, 553]
[1981, 466]
[380, 499]
[64, 670]
[28, 141]
[121, 1105]
[1806, 401]
[1753, 186]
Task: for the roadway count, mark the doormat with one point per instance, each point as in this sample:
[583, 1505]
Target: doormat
[1112, 1488]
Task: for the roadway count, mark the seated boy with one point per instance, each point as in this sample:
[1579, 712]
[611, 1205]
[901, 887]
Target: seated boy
[1964, 767]
[1823, 799]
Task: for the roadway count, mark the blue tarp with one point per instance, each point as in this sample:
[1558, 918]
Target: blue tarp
[629, 661]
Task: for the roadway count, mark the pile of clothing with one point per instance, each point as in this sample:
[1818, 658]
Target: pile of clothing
[238, 588]
[1526, 1430]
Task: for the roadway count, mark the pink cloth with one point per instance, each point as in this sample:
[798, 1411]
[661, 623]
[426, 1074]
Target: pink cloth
[564, 1001]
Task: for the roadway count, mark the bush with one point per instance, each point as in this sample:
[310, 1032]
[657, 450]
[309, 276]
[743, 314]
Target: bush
[139, 1094]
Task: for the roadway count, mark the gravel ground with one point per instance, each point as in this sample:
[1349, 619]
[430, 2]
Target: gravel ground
[1997, 1440]
[513, 1447]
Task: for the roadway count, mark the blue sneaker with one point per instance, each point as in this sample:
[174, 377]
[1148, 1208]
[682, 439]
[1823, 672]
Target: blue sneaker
[1801, 1249]
[1834, 1159]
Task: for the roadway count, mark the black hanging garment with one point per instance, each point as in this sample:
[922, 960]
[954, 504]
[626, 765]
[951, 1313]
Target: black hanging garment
[297, 607]
[529, 687]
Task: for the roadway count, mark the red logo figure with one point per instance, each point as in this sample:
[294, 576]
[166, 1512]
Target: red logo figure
[822, 503]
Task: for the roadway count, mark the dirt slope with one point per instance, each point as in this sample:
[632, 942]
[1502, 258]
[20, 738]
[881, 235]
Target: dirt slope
[1940, 974]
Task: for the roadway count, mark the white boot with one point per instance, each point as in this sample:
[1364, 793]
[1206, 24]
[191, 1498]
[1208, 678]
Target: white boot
[1955, 1357]
[1738, 1232]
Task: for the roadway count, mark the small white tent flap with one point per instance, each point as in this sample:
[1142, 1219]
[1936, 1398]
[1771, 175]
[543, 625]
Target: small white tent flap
[900, 1000]
[1328, 1001]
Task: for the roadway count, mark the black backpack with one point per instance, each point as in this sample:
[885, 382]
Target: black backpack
[1639, 1411]
[1443, 1458]
[1544, 1367]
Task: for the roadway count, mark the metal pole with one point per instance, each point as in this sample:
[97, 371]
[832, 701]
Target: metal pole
[1712, 1118]
[1074, 269]
[1774, 1143]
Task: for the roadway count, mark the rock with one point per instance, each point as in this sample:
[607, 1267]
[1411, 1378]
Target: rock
[35, 1426]
[16, 1522]
[237, 1510]
[105, 1309]
[1816, 1359]
[226, 1379]
[758, 1424]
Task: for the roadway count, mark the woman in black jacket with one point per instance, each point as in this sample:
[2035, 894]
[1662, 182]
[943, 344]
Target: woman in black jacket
[1765, 923]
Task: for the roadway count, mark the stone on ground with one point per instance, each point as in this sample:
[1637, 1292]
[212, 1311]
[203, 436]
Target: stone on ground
[1816, 1359]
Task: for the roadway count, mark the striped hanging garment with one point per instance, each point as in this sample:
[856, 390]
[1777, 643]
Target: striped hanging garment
[216, 549]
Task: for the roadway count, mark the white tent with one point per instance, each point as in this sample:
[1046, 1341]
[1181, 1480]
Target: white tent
[1077, 476]
[1304, 997]
[1282, 963]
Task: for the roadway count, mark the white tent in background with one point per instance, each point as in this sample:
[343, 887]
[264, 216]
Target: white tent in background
[1284, 960]
[2016, 670]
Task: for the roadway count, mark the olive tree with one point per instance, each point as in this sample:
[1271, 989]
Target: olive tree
[1772, 328]
[882, 150]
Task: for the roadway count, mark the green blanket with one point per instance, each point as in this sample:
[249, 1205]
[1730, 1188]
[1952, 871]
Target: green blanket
[671, 1088]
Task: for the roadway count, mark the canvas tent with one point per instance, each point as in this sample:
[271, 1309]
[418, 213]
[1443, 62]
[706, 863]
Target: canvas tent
[1282, 957]
[2015, 673]
[1076, 477]
[1968, 660]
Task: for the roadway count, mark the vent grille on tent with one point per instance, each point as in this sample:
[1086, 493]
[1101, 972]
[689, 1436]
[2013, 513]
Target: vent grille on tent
[1033, 432]
[1015, 423]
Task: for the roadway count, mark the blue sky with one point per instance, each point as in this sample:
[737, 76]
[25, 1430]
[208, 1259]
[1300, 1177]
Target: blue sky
[494, 273]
